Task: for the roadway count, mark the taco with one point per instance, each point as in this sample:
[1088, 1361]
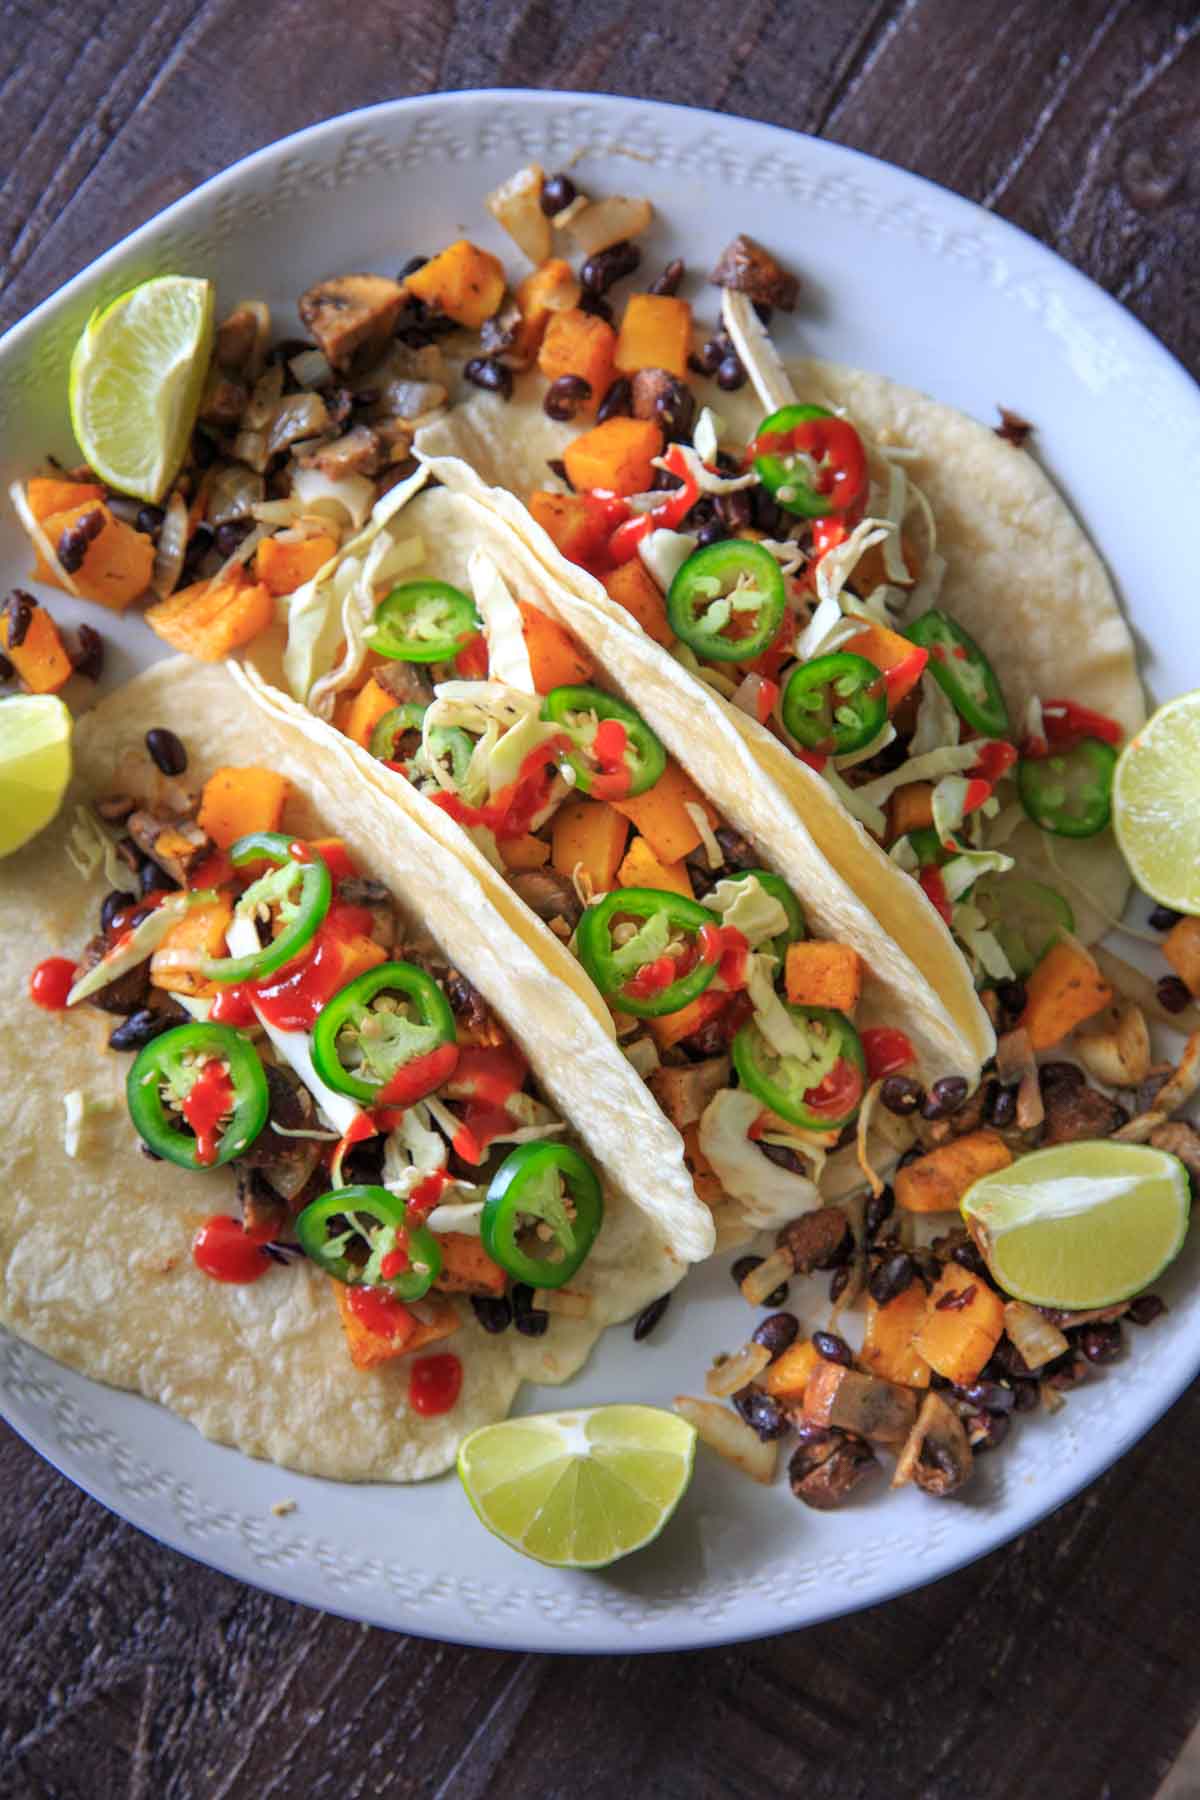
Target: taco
[300, 1111]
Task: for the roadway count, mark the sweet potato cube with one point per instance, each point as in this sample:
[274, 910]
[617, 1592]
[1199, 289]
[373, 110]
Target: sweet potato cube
[284, 566]
[820, 973]
[1181, 947]
[576, 525]
[962, 1325]
[47, 494]
[937, 1181]
[200, 932]
[370, 1348]
[641, 868]
[591, 833]
[464, 282]
[236, 802]
[910, 809]
[902, 663]
[1065, 988]
[466, 1266]
[520, 853]
[40, 659]
[660, 814]
[577, 343]
[872, 1408]
[552, 288]
[367, 708]
[656, 333]
[632, 586]
[672, 1028]
[209, 622]
[617, 456]
[117, 564]
[555, 659]
[788, 1375]
[888, 1343]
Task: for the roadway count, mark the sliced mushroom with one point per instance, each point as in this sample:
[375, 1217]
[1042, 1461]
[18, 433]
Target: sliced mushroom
[262, 1208]
[827, 1466]
[236, 339]
[817, 1240]
[866, 1405]
[356, 452]
[351, 313]
[224, 401]
[548, 894]
[936, 1454]
[285, 1162]
[749, 269]
[683, 1092]
[1075, 1113]
[176, 845]
[1182, 1141]
[405, 682]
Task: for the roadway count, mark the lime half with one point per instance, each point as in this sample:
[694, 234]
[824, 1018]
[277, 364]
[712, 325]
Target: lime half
[579, 1489]
[1155, 814]
[35, 765]
[1080, 1225]
[137, 375]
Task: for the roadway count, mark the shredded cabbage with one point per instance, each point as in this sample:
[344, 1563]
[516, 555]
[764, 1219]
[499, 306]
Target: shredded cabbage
[857, 801]
[964, 870]
[707, 435]
[348, 495]
[89, 844]
[949, 803]
[756, 353]
[970, 928]
[747, 906]
[937, 721]
[815, 1051]
[836, 566]
[649, 941]
[665, 552]
[951, 759]
[706, 480]
[699, 818]
[508, 653]
[142, 941]
[885, 736]
[769, 1196]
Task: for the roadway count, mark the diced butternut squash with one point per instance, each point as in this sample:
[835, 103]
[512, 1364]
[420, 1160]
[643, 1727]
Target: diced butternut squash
[209, 622]
[641, 868]
[821, 973]
[902, 663]
[552, 288]
[656, 333]
[577, 343]
[200, 932]
[660, 814]
[1181, 947]
[672, 1028]
[370, 1348]
[284, 566]
[591, 833]
[704, 1177]
[367, 708]
[888, 1341]
[117, 564]
[632, 586]
[873, 1408]
[40, 659]
[357, 954]
[48, 494]
[910, 808]
[1065, 988]
[963, 1321]
[342, 707]
[870, 571]
[519, 853]
[236, 802]
[463, 282]
[555, 659]
[466, 1266]
[576, 524]
[937, 1181]
[617, 456]
[788, 1375]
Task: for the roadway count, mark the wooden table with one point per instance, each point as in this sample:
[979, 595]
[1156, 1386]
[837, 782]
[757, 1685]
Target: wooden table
[1065, 1665]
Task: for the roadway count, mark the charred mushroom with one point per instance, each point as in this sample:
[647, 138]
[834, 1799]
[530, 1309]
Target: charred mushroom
[937, 1455]
[349, 313]
[749, 269]
[283, 1161]
[176, 845]
[683, 1091]
[827, 1466]
[548, 894]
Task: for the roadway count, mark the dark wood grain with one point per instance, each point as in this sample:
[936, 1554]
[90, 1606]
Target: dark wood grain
[1065, 1665]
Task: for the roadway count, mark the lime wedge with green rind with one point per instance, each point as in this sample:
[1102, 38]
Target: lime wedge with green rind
[137, 376]
[35, 765]
[1156, 816]
[1080, 1225]
[577, 1490]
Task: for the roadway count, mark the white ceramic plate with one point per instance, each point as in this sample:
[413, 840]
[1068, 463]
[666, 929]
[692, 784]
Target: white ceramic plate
[899, 276]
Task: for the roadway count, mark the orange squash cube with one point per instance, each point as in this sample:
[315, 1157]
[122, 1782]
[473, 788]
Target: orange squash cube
[366, 709]
[575, 524]
[591, 833]
[641, 868]
[577, 343]
[555, 659]
[617, 456]
[463, 282]
[656, 333]
[209, 622]
[236, 802]
[117, 564]
[888, 1341]
[48, 494]
[370, 1348]
[284, 566]
[632, 586]
[963, 1323]
[820, 973]
[661, 815]
[201, 932]
[40, 659]
[552, 288]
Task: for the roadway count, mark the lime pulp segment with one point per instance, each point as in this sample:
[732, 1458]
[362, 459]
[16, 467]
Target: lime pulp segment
[1156, 809]
[35, 765]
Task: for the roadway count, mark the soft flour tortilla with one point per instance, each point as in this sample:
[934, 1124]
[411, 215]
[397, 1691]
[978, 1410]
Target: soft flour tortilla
[95, 1264]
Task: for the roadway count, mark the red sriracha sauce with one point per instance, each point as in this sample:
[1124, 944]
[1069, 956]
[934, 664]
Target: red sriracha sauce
[1067, 724]
[726, 945]
[886, 1050]
[295, 994]
[996, 758]
[233, 1005]
[210, 1099]
[380, 1312]
[655, 977]
[930, 879]
[224, 1249]
[397, 1260]
[420, 1077]
[435, 1384]
[471, 663]
[668, 515]
[427, 1193]
[514, 807]
[51, 982]
[609, 747]
[837, 1092]
[485, 1077]
[481, 1126]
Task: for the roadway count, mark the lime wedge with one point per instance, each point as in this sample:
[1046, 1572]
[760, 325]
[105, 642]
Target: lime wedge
[579, 1489]
[35, 765]
[1080, 1225]
[137, 375]
[1155, 815]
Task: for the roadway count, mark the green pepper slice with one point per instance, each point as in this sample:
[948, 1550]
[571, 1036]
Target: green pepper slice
[387, 738]
[835, 703]
[812, 462]
[616, 755]
[827, 1104]
[543, 1184]
[362, 1237]
[727, 601]
[779, 890]
[424, 621]
[237, 1093]
[1025, 917]
[963, 673]
[403, 1049]
[1069, 792]
[302, 913]
[638, 975]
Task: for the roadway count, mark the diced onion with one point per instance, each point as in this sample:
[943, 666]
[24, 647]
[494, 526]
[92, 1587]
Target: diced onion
[722, 1430]
[737, 1371]
[232, 493]
[771, 1273]
[41, 542]
[613, 220]
[1037, 1340]
[699, 818]
[297, 416]
[516, 205]
[1117, 1050]
[311, 368]
[171, 547]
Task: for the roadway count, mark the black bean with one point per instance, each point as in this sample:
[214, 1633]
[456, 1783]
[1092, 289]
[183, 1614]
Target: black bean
[988, 1396]
[150, 520]
[894, 1276]
[617, 401]
[839, 1284]
[769, 516]
[228, 536]
[744, 1266]
[1066, 1371]
[664, 482]
[112, 904]
[527, 1319]
[987, 1430]
[595, 306]
[564, 397]
[902, 1095]
[600, 271]
[494, 377]
[1012, 996]
[945, 1097]
[1145, 1309]
[730, 374]
[139, 1028]
[736, 510]
[198, 547]
[762, 1412]
[668, 282]
[18, 617]
[777, 1333]
[87, 659]
[968, 1257]
[1102, 1341]
[558, 467]
[649, 1317]
[712, 533]
[1000, 1104]
[166, 750]
[493, 1311]
[411, 266]
[557, 192]
[1026, 1397]
[154, 880]
[74, 539]
[704, 361]
[1172, 993]
[7, 672]
[1163, 917]
[675, 412]
[879, 1209]
[833, 1348]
